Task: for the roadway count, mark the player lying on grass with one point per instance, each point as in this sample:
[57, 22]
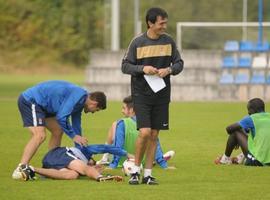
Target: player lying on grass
[252, 134]
[123, 134]
[69, 163]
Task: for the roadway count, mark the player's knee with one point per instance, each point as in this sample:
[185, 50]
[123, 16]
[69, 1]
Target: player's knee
[71, 175]
[144, 136]
[40, 137]
[145, 133]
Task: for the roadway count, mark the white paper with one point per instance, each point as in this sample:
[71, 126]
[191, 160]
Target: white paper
[155, 82]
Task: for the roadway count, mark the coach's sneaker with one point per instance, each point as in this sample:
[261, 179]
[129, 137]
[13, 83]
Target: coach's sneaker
[149, 180]
[134, 179]
[27, 172]
[224, 160]
[168, 155]
[17, 175]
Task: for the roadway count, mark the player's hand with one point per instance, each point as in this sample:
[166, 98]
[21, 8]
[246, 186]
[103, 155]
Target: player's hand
[150, 70]
[163, 72]
[80, 140]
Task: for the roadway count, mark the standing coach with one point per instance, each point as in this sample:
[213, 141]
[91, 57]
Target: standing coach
[152, 54]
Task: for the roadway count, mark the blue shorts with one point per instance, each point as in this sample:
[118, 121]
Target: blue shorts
[58, 158]
[32, 114]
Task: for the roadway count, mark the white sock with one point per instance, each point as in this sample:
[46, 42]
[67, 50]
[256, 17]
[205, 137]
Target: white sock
[147, 172]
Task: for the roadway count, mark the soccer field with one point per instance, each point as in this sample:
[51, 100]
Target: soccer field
[197, 135]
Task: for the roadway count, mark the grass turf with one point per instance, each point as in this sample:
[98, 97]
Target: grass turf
[197, 134]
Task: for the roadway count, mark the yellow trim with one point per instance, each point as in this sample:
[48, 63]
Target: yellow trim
[154, 51]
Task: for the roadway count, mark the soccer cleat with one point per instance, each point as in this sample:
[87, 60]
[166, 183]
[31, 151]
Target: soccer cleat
[134, 179]
[168, 155]
[223, 160]
[110, 178]
[27, 172]
[149, 180]
[17, 175]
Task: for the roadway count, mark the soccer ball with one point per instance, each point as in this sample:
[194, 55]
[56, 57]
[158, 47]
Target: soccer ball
[128, 165]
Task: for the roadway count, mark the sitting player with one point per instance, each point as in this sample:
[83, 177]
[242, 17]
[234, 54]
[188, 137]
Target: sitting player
[252, 135]
[124, 133]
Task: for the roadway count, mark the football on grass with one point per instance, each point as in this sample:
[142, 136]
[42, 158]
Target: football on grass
[128, 165]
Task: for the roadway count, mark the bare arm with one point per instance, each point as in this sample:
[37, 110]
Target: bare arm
[233, 127]
[111, 133]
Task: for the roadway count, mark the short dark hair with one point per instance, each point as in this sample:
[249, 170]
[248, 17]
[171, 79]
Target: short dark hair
[100, 98]
[153, 13]
[128, 100]
[255, 105]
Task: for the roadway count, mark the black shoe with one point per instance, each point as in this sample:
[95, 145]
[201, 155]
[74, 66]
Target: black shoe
[134, 179]
[28, 172]
[149, 180]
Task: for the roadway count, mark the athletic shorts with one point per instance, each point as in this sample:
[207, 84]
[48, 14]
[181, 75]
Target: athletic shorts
[152, 116]
[58, 158]
[32, 114]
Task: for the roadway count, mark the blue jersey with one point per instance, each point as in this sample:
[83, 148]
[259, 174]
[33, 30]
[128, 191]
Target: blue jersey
[62, 100]
[247, 125]
[120, 140]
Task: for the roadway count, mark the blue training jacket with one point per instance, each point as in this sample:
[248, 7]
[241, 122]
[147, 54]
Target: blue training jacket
[90, 150]
[62, 100]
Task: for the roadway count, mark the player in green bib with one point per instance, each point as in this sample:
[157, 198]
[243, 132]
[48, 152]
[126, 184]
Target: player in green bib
[124, 133]
[252, 134]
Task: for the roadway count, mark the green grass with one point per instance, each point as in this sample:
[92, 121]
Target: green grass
[196, 134]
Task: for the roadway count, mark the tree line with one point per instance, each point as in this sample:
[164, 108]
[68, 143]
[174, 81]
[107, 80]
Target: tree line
[66, 30]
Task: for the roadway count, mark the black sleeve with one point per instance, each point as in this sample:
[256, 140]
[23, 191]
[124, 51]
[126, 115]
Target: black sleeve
[129, 62]
[177, 62]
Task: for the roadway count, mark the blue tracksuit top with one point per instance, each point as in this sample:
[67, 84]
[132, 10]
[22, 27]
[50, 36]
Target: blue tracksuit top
[90, 150]
[62, 100]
